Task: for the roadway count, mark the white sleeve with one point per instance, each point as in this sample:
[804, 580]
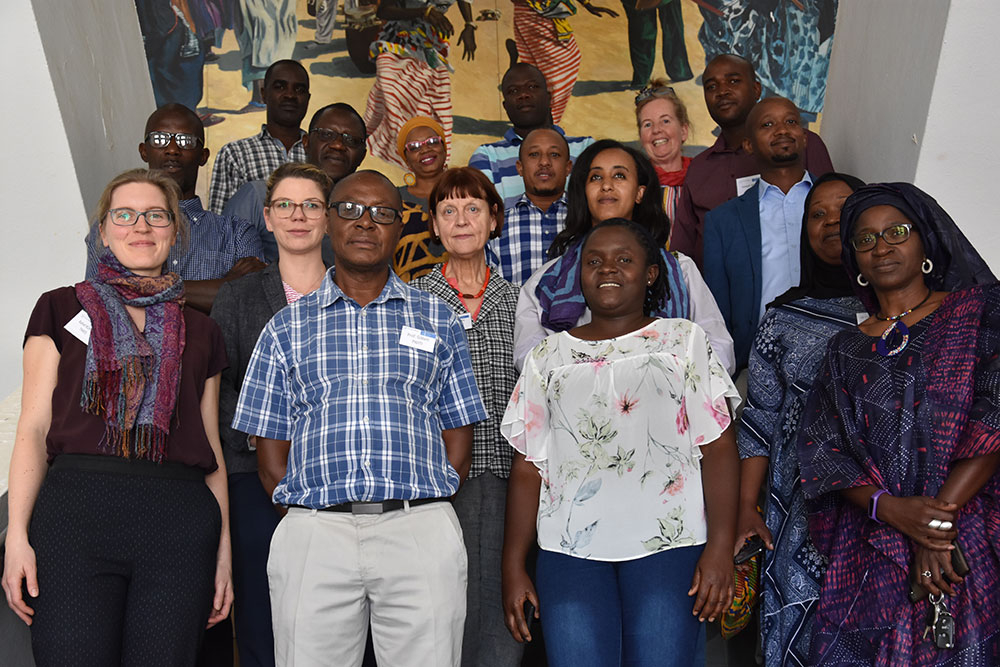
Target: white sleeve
[706, 313]
[528, 329]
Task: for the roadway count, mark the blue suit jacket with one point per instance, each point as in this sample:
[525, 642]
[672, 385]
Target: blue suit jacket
[733, 266]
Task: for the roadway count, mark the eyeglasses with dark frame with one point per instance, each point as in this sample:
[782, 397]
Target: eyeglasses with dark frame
[350, 210]
[893, 235]
[649, 91]
[414, 146]
[128, 217]
[328, 136]
[312, 209]
[185, 141]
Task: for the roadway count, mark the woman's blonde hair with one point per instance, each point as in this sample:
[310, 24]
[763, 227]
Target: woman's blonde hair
[299, 170]
[167, 186]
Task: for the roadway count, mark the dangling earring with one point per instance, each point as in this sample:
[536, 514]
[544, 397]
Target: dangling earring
[862, 281]
[410, 180]
[927, 266]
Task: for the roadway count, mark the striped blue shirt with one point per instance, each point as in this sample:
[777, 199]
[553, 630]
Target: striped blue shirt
[498, 161]
[363, 410]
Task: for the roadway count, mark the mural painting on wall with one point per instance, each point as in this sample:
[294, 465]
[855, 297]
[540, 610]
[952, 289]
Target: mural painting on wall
[446, 61]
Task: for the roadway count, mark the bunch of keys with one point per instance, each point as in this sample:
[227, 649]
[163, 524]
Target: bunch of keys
[941, 623]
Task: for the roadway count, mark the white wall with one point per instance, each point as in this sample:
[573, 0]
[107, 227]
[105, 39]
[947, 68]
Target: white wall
[912, 97]
[960, 159]
[74, 111]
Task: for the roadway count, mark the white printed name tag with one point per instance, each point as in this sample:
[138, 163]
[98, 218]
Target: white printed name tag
[79, 326]
[422, 340]
[745, 183]
[466, 320]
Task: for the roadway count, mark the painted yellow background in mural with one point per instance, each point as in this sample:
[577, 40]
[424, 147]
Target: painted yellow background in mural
[600, 107]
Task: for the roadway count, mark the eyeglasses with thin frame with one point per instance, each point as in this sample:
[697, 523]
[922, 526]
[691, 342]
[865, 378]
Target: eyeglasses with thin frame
[329, 136]
[350, 210]
[893, 235]
[128, 217]
[414, 146]
[312, 209]
[649, 91]
[185, 141]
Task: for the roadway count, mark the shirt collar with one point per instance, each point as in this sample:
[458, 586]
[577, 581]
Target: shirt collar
[329, 293]
[192, 208]
[265, 135]
[514, 139]
[764, 186]
[523, 200]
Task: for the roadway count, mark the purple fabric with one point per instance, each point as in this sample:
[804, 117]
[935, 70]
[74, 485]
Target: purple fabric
[900, 423]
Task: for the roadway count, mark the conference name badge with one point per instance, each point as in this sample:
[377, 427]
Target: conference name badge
[79, 326]
[421, 340]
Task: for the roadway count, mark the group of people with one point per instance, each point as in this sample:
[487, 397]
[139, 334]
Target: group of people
[434, 415]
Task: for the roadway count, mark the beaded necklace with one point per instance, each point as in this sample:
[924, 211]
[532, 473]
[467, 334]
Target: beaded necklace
[898, 325]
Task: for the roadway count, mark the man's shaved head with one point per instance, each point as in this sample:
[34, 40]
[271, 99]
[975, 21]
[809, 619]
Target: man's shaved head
[179, 110]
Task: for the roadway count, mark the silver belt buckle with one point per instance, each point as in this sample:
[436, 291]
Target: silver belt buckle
[366, 508]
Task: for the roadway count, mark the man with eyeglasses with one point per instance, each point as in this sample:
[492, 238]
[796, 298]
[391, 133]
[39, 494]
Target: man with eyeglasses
[528, 103]
[286, 96]
[725, 170]
[362, 399]
[752, 242]
[335, 143]
[220, 248]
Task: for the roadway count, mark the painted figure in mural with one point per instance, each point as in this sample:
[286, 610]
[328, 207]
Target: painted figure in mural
[544, 38]
[421, 144]
[335, 143]
[527, 101]
[642, 16]
[266, 32]
[466, 213]
[537, 216]
[899, 445]
[611, 180]
[219, 247]
[789, 41]
[625, 472]
[787, 355]
[364, 437]
[663, 128]
[752, 242]
[412, 75]
[174, 53]
[725, 170]
[286, 94]
[119, 512]
[296, 199]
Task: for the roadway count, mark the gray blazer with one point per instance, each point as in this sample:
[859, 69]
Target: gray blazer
[242, 308]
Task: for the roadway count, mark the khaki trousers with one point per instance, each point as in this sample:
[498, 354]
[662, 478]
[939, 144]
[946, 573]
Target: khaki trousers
[406, 571]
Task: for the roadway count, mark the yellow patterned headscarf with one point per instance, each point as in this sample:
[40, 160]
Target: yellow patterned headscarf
[412, 124]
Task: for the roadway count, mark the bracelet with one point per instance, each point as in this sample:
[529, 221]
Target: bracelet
[873, 505]
[427, 12]
[470, 24]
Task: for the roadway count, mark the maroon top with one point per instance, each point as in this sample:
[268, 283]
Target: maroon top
[74, 431]
[711, 181]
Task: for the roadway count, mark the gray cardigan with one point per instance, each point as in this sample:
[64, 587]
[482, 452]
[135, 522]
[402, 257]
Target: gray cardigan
[242, 308]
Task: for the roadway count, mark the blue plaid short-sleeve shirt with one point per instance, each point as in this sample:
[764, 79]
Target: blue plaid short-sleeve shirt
[364, 411]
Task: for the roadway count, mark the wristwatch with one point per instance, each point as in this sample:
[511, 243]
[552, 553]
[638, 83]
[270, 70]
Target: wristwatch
[873, 505]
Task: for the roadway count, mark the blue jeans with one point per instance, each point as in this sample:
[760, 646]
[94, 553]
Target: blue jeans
[633, 613]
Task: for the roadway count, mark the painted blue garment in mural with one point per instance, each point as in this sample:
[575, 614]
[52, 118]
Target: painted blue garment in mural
[787, 354]
[788, 41]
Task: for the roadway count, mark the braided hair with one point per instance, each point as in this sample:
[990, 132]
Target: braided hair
[657, 293]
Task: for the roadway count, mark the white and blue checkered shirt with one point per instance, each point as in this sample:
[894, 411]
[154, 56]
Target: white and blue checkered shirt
[364, 413]
[528, 231]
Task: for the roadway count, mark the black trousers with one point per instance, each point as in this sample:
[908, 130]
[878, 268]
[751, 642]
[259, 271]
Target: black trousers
[126, 563]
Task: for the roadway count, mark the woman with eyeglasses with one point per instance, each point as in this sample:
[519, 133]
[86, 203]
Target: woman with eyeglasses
[117, 548]
[900, 443]
[663, 128]
[421, 144]
[295, 211]
[466, 213]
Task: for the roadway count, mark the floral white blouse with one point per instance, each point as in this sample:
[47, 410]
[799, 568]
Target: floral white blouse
[615, 428]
